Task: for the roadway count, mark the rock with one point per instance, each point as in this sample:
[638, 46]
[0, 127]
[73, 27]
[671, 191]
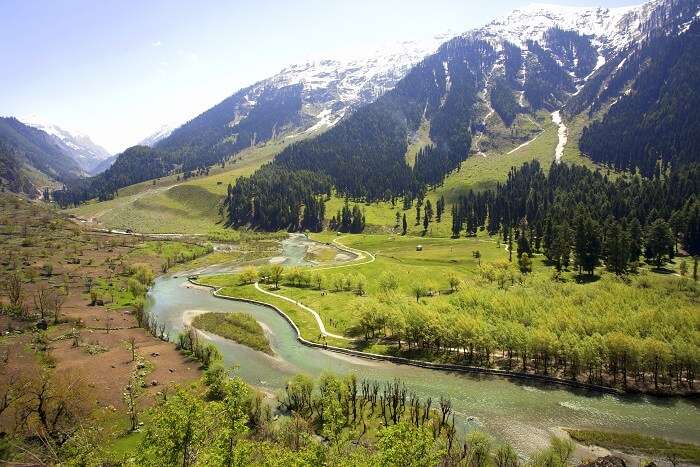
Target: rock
[171, 370]
[154, 383]
[607, 461]
[155, 354]
[140, 365]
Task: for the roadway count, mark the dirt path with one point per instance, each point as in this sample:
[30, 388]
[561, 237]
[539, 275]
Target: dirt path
[313, 312]
[361, 255]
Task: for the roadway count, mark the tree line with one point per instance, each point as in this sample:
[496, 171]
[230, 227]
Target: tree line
[574, 211]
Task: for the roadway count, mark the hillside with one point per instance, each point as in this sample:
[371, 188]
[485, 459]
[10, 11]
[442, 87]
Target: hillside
[538, 58]
[91, 157]
[31, 158]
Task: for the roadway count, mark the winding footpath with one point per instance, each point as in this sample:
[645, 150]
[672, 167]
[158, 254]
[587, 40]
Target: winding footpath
[364, 257]
[313, 312]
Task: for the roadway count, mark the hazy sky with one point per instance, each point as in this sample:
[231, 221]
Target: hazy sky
[117, 70]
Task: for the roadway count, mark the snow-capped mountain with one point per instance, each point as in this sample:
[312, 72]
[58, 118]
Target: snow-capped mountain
[611, 28]
[332, 88]
[161, 133]
[78, 146]
[300, 99]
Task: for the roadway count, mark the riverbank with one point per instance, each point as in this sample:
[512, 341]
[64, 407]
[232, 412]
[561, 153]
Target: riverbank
[417, 363]
[464, 309]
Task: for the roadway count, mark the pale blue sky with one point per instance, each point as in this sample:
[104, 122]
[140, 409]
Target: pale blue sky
[117, 70]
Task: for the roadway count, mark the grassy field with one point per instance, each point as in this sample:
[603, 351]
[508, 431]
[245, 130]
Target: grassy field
[238, 327]
[170, 206]
[543, 304]
[167, 205]
[634, 443]
[419, 141]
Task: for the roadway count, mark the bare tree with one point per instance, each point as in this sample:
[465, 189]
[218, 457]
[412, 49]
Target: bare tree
[54, 404]
[12, 287]
[42, 301]
[131, 393]
[131, 343]
[56, 300]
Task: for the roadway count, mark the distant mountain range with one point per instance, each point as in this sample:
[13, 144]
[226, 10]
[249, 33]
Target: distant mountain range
[628, 70]
[80, 147]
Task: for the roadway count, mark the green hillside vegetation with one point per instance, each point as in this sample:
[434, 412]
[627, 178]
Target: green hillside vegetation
[446, 303]
[168, 205]
[419, 140]
[238, 327]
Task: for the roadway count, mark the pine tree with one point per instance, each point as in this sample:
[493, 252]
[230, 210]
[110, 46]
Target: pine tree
[658, 242]
[417, 213]
[405, 224]
[456, 222]
[635, 233]
[440, 208]
[587, 244]
[429, 211]
[426, 221]
[560, 248]
[617, 249]
[523, 245]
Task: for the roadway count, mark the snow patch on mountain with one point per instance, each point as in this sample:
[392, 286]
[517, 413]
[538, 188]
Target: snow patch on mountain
[333, 88]
[77, 145]
[611, 28]
[161, 133]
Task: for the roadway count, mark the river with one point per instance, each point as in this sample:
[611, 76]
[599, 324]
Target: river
[518, 411]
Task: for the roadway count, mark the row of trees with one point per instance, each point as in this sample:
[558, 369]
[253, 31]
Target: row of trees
[516, 340]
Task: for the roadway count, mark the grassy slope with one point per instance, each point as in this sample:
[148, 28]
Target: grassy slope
[420, 140]
[167, 205]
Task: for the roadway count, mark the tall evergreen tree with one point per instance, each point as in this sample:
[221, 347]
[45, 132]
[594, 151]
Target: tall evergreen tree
[587, 246]
[617, 248]
[659, 242]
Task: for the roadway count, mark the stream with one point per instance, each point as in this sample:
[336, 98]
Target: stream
[518, 411]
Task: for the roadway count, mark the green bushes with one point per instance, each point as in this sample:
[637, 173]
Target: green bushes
[608, 333]
[189, 343]
[238, 327]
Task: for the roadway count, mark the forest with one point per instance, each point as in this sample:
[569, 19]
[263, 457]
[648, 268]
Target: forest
[601, 218]
[135, 165]
[656, 117]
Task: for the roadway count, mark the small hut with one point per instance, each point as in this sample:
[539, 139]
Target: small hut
[419, 247]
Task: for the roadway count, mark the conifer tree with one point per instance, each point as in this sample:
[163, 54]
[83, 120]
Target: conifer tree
[659, 242]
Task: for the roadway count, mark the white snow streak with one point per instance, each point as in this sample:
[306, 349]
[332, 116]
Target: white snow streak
[562, 133]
